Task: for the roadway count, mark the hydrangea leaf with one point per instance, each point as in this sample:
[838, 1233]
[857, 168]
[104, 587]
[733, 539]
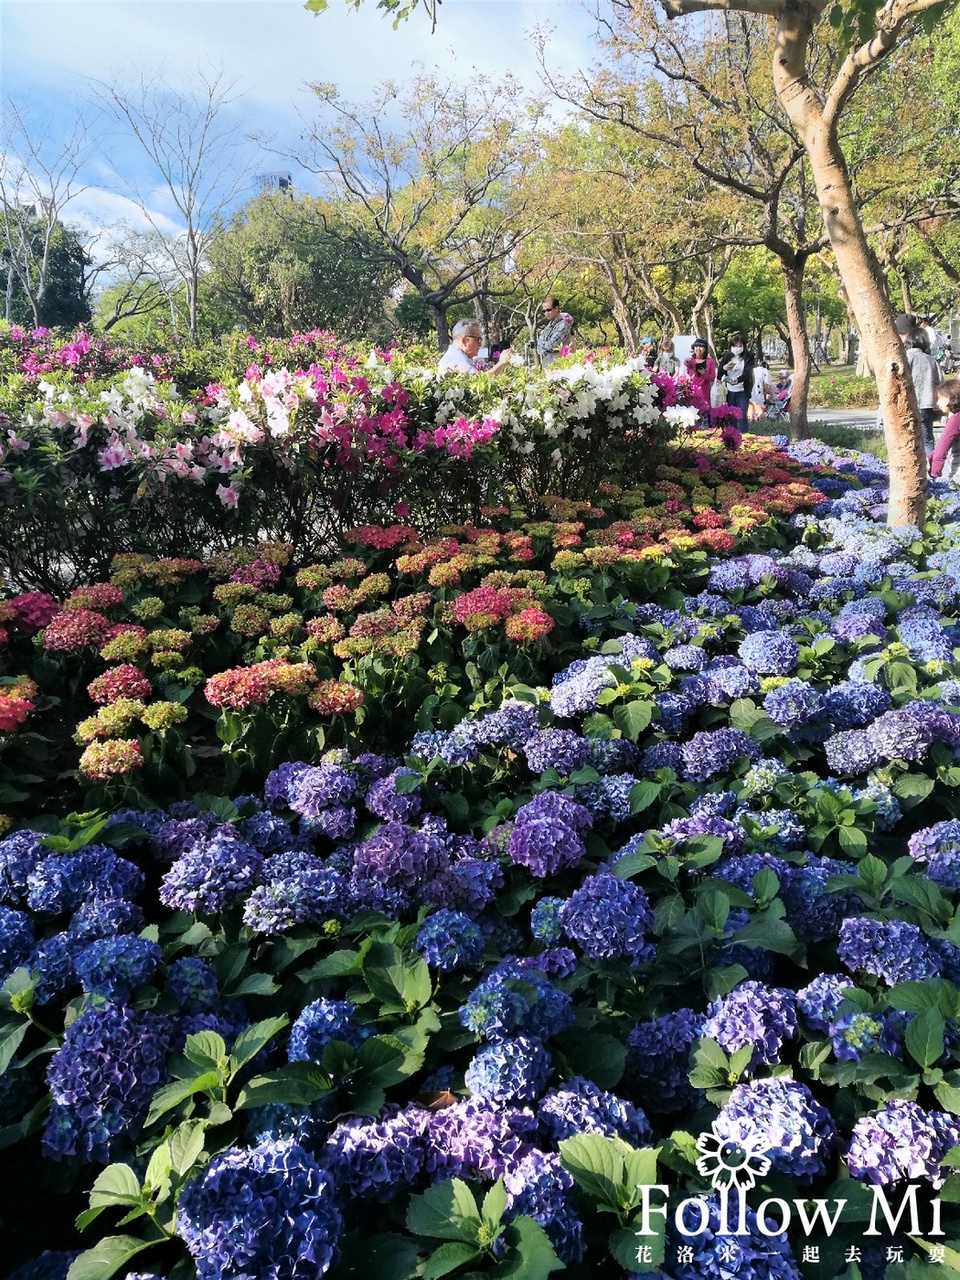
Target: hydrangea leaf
[107, 1257]
[924, 1037]
[450, 1256]
[636, 1252]
[494, 1203]
[171, 1095]
[446, 1211]
[531, 1256]
[10, 1038]
[598, 1056]
[335, 965]
[633, 717]
[252, 1039]
[296, 1084]
[596, 1164]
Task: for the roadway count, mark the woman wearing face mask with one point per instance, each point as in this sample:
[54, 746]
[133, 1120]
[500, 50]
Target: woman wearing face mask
[701, 369]
[736, 370]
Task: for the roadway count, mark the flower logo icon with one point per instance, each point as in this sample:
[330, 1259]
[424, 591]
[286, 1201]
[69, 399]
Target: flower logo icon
[733, 1161]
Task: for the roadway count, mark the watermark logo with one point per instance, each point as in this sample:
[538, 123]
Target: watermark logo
[733, 1162]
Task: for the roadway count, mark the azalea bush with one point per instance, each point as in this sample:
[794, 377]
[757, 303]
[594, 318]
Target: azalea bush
[677, 922]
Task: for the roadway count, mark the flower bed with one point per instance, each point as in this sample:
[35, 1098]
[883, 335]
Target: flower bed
[674, 921]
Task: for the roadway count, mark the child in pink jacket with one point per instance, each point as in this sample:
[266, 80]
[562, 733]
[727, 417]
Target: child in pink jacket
[945, 459]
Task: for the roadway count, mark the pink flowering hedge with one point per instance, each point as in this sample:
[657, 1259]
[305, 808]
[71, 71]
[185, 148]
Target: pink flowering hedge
[193, 451]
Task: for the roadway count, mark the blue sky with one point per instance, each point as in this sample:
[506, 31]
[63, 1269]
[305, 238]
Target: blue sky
[271, 47]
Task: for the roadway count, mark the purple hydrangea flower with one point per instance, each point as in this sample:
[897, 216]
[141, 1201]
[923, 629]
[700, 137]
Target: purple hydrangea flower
[769, 653]
[755, 1014]
[661, 755]
[813, 911]
[854, 1034]
[609, 919]
[939, 848]
[717, 1255]
[448, 940]
[794, 703]
[894, 950]
[538, 1185]
[398, 855]
[266, 1211]
[212, 874]
[901, 1141]
[559, 749]
[476, 1139]
[713, 752]
[799, 1132]
[384, 800]
[19, 855]
[299, 889]
[316, 787]
[851, 752]
[193, 984]
[373, 1158]
[580, 1106]
[16, 939]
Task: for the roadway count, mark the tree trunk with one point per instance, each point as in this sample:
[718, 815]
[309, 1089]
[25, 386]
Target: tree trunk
[858, 269]
[443, 329]
[800, 348]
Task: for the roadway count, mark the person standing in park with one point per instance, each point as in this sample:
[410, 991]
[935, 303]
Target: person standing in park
[666, 361]
[556, 331]
[701, 369]
[927, 377]
[461, 355]
[736, 370]
[945, 459]
[761, 391]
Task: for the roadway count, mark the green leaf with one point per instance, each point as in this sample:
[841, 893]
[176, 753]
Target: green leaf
[494, 1203]
[297, 1084]
[596, 1164]
[643, 794]
[447, 1211]
[453, 1254]
[598, 1056]
[924, 1037]
[913, 996]
[532, 1256]
[385, 1061]
[186, 1143]
[911, 788]
[335, 965]
[769, 933]
[169, 1096]
[852, 840]
[252, 1039]
[948, 1095]
[636, 1252]
[254, 984]
[10, 1038]
[205, 1048]
[117, 1184]
[106, 1258]
[631, 718]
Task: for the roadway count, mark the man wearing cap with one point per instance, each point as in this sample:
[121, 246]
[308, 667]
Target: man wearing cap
[557, 327]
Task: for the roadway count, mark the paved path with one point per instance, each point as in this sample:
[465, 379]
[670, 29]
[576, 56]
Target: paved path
[843, 417]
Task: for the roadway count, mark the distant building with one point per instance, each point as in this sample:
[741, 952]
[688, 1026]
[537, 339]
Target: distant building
[274, 182]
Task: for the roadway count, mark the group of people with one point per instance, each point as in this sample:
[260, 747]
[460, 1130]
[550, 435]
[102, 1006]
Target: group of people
[462, 355]
[746, 385]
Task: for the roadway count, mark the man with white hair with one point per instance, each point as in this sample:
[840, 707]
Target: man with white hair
[461, 355]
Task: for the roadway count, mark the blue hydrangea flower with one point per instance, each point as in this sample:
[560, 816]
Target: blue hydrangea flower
[193, 984]
[819, 1001]
[104, 918]
[727, 679]
[901, 1140]
[16, 939]
[315, 787]
[545, 920]
[101, 1079]
[799, 1132]
[609, 919]
[514, 1070]
[661, 755]
[851, 752]
[514, 997]
[114, 967]
[52, 960]
[854, 1034]
[580, 1106]
[299, 888]
[796, 702]
[211, 874]
[267, 1211]
[62, 882]
[769, 653]
[538, 1185]
[894, 950]
[609, 797]
[318, 1024]
[19, 854]
[714, 1255]
[813, 911]
[888, 812]
[755, 1014]
[448, 940]
[545, 847]
[761, 778]
[49, 1265]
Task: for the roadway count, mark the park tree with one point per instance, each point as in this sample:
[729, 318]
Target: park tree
[438, 196]
[869, 33]
[43, 259]
[192, 146]
[283, 263]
